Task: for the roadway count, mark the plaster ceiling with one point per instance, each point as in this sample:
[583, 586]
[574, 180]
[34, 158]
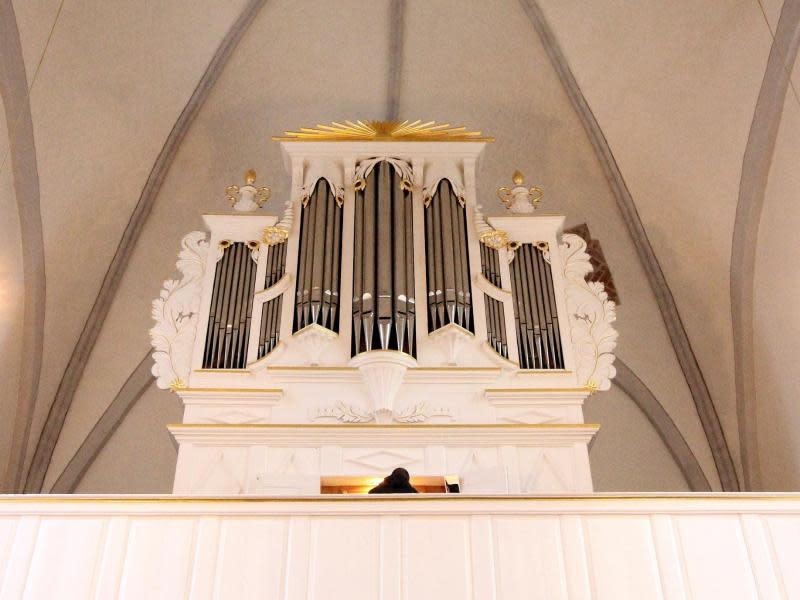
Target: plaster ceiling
[672, 87]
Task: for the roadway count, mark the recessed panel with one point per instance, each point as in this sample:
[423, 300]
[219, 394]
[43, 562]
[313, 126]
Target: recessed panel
[65, 558]
[528, 556]
[158, 560]
[252, 553]
[345, 560]
[622, 557]
[436, 558]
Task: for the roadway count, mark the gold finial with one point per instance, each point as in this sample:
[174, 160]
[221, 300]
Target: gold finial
[519, 199]
[247, 198]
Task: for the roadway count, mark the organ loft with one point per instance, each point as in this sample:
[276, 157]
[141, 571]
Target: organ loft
[381, 320]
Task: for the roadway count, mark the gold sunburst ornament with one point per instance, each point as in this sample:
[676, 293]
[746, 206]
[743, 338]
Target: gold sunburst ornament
[381, 131]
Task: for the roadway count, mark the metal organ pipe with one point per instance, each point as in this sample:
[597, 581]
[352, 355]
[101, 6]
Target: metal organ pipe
[231, 308]
[318, 263]
[495, 311]
[448, 277]
[383, 264]
[535, 314]
[269, 334]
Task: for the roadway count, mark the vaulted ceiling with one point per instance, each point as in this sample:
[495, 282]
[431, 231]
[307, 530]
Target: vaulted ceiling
[671, 129]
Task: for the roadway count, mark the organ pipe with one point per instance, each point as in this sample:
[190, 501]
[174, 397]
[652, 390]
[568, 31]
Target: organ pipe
[318, 266]
[383, 264]
[231, 307]
[269, 334]
[495, 310]
[447, 260]
[535, 313]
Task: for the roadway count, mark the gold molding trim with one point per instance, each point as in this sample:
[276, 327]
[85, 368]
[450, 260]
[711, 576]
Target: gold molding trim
[230, 389]
[589, 498]
[529, 390]
[382, 131]
[588, 426]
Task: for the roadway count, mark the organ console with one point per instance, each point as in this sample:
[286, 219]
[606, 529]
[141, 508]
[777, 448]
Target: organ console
[382, 320]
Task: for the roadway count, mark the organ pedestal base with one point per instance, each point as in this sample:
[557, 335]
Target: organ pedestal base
[291, 459]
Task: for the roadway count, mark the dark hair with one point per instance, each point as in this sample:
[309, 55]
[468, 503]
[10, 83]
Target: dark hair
[399, 476]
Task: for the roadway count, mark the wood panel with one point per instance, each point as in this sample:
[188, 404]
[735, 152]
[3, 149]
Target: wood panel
[401, 549]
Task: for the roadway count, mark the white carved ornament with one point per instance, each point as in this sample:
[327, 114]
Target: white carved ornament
[175, 312]
[590, 316]
[349, 413]
[401, 167]
[327, 169]
[439, 170]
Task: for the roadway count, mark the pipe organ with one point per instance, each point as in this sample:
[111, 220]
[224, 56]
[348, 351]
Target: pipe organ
[295, 342]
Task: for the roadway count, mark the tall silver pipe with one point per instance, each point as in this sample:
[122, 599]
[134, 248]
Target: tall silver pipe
[448, 266]
[318, 266]
[358, 267]
[212, 315]
[302, 252]
[463, 251]
[213, 349]
[456, 252]
[516, 291]
[309, 271]
[533, 323]
[536, 300]
[239, 314]
[384, 252]
[368, 279]
[336, 266]
[398, 234]
[430, 275]
[327, 270]
[551, 298]
[409, 267]
[544, 300]
[226, 307]
[438, 261]
[236, 299]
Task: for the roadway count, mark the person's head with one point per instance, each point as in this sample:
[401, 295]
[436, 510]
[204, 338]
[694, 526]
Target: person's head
[399, 476]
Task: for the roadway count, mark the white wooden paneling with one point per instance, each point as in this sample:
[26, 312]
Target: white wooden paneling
[528, 557]
[594, 547]
[623, 558]
[344, 558]
[436, 558]
[19, 560]
[53, 571]
[251, 558]
[783, 538]
[715, 557]
[158, 558]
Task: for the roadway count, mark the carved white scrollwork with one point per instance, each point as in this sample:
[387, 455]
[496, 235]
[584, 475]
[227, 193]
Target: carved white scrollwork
[175, 313]
[346, 413]
[435, 172]
[350, 413]
[329, 170]
[590, 315]
[401, 167]
[419, 413]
